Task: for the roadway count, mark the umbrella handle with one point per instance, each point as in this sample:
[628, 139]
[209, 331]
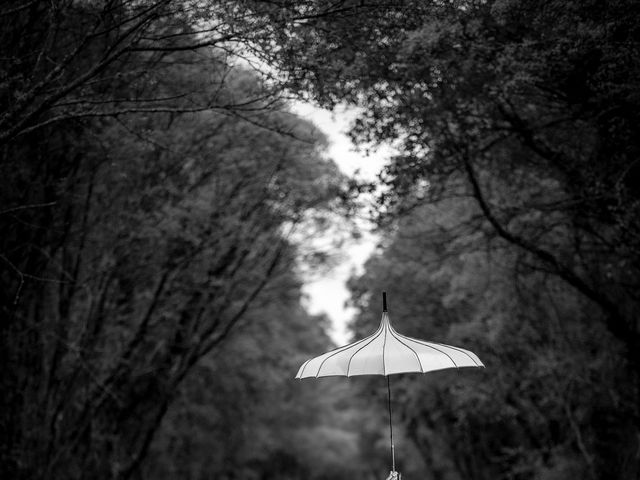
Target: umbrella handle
[393, 457]
[384, 301]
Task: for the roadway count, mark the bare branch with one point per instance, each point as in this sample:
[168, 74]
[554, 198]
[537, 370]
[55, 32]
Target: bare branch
[27, 207]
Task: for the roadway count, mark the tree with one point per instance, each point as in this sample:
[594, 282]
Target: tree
[240, 414]
[545, 407]
[74, 60]
[167, 229]
[543, 91]
[150, 185]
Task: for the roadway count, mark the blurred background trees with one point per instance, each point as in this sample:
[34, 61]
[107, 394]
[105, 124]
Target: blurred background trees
[153, 184]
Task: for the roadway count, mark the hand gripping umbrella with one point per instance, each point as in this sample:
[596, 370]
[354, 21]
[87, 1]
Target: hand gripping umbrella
[386, 352]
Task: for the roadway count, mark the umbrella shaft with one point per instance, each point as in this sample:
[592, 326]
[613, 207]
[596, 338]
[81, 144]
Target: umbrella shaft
[393, 455]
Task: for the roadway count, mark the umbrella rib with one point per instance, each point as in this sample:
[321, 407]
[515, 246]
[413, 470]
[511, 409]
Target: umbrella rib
[461, 350]
[343, 348]
[428, 344]
[304, 365]
[397, 337]
[372, 338]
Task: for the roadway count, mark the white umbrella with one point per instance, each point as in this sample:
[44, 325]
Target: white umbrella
[387, 352]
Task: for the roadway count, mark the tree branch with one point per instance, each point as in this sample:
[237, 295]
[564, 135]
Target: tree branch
[615, 319]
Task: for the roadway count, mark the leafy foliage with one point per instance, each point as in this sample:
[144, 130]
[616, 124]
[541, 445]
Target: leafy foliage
[143, 238]
[556, 383]
[538, 94]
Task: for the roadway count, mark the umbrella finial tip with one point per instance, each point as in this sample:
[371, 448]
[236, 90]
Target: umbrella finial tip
[384, 301]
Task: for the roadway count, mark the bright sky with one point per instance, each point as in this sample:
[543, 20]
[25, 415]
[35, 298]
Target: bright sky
[328, 294]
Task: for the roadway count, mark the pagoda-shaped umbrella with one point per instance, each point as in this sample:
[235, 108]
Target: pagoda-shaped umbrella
[387, 352]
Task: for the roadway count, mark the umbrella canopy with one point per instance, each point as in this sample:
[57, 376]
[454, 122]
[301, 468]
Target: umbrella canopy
[387, 352]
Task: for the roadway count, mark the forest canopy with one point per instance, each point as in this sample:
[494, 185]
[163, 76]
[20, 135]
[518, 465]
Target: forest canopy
[156, 184]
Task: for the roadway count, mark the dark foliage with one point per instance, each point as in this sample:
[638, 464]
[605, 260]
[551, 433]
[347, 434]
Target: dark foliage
[150, 182]
[150, 188]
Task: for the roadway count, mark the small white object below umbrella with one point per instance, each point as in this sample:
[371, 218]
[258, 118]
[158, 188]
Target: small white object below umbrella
[387, 352]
